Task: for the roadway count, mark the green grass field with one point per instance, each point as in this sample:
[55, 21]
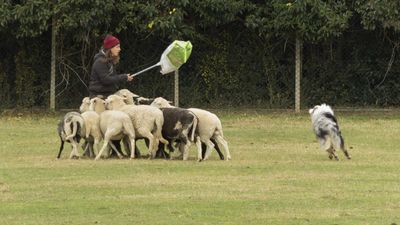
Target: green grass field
[278, 175]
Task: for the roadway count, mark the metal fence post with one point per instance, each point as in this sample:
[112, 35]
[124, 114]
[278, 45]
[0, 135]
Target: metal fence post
[298, 74]
[176, 92]
[53, 66]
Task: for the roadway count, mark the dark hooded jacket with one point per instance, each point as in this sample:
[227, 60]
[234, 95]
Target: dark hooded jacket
[104, 80]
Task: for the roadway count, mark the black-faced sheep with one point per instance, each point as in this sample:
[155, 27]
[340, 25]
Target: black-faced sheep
[179, 125]
[209, 130]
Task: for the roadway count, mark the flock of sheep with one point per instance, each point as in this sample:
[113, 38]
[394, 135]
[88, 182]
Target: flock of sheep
[129, 117]
[123, 116]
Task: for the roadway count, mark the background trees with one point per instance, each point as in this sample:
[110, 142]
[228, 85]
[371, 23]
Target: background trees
[243, 51]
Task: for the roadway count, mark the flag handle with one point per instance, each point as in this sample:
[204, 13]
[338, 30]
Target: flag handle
[149, 68]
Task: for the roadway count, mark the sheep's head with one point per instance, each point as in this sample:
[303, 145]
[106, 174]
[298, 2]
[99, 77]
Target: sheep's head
[85, 105]
[115, 102]
[161, 103]
[143, 101]
[128, 95]
[97, 104]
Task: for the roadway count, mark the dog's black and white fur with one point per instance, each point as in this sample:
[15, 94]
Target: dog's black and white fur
[327, 130]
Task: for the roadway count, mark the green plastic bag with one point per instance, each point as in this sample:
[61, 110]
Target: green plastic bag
[175, 55]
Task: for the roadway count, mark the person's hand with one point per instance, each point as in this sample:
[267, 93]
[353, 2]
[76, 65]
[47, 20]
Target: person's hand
[130, 77]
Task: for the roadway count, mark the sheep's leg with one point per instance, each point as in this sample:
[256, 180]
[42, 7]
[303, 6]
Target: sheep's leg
[116, 150]
[107, 137]
[199, 149]
[85, 148]
[106, 140]
[91, 150]
[210, 146]
[158, 134]
[153, 142]
[95, 148]
[183, 149]
[186, 150]
[74, 151]
[180, 148]
[127, 148]
[61, 148]
[220, 140]
[217, 149]
[155, 146]
[137, 151]
[132, 145]
[221, 156]
[161, 153]
[163, 140]
[71, 156]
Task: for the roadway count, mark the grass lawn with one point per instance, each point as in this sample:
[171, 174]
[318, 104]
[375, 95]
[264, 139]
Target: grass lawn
[278, 175]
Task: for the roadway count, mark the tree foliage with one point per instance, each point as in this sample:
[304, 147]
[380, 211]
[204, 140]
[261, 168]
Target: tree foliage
[243, 49]
[310, 20]
[379, 13]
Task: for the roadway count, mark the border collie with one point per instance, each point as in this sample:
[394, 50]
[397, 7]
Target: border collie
[326, 128]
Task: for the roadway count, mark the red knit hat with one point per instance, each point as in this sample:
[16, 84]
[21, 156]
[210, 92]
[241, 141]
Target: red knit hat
[110, 41]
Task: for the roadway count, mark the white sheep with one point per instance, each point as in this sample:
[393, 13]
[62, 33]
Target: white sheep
[93, 134]
[133, 99]
[90, 109]
[147, 121]
[209, 128]
[115, 125]
[85, 105]
[97, 105]
[128, 96]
